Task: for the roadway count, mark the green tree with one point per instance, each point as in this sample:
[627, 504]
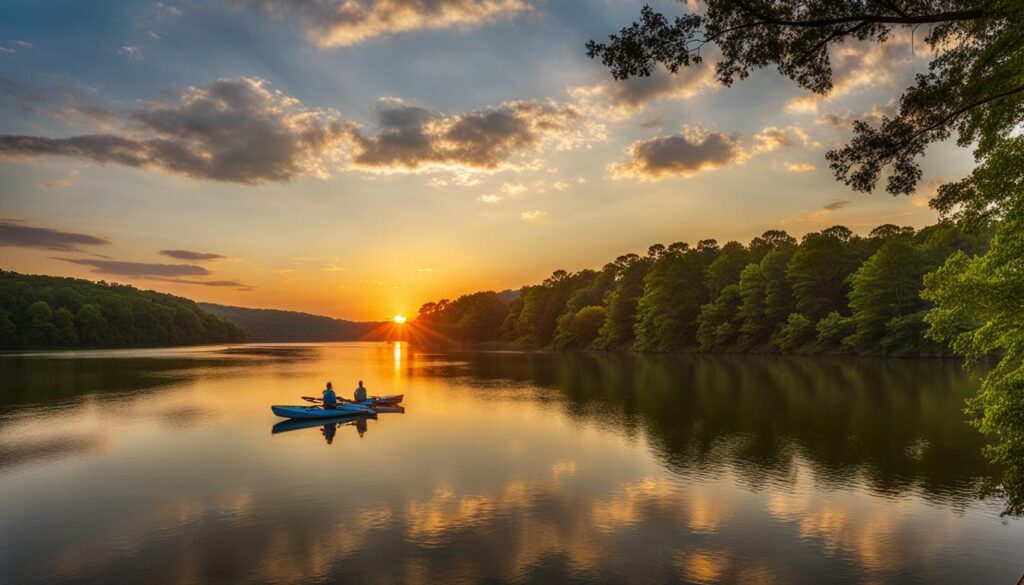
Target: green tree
[581, 328]
[978, 311]
[819, 269]
[90, 324]
[41, 331]
[833, 331]
[621, 302]
[674, 290]
[726, 268]
[719, 322]
[885, 287]
[8, 330]
[64, 321]
[794, 334]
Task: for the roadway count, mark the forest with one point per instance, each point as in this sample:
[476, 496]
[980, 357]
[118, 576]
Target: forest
[53, 312]
[831, 292]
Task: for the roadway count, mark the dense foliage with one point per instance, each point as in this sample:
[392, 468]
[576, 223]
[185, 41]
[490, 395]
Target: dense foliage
[973, 90]
[833, 292]
[270, 325]
[46, 311]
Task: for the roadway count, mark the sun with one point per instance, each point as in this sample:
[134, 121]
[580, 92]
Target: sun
[400, 319]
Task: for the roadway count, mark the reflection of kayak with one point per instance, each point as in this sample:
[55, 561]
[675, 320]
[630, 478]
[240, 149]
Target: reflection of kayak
[295, 424]
[389, 408]
[319, 413]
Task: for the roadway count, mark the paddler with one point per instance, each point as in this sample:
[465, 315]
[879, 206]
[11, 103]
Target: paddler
[330, 398]
[360, 393]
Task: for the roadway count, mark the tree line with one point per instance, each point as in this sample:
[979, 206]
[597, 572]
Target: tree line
[53, 312]
[272, 325]
[831, 292]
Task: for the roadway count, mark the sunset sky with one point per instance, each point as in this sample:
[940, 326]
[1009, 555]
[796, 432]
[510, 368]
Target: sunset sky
[358, 158]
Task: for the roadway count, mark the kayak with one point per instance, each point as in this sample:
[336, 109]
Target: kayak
[371, 401]
[386, 399]
[318, 412]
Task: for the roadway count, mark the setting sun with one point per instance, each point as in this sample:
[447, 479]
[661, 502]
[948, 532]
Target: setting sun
[400, 319]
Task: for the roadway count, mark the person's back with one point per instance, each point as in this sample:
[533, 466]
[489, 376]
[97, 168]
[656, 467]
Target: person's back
[330, 398]
[360, 393]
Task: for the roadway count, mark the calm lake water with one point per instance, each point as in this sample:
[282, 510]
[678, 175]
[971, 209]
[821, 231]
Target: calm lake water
[160, 466]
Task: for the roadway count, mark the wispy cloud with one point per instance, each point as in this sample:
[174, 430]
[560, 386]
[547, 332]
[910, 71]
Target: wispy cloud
[189, 255]
[16, 234]
[535, 215]
[339, 23]
[61, 182]
[132, 52]
[836, 204]
[175, 273]
[799, 167]
[138, 269]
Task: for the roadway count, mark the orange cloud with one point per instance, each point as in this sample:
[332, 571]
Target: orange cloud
[343, 23]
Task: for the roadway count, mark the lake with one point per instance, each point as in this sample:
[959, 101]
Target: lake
[162, 466]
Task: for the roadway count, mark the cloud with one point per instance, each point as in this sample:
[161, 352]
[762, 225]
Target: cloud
[216, 283]
[232, 130]
[489, 198]
[132, 52]
[535, 215]
[513, 188]
[414, 139]
[793, 167]
[342, 23]
[621, 99]
[773, 138]
[139, 269]
[683, 155]
[193, 256]
[17, 235]
[61, 182]
[12, 47]
[858, 66]
[836, 204]
[845, 121]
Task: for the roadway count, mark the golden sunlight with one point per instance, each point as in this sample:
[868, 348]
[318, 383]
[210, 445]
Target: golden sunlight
[400, 319]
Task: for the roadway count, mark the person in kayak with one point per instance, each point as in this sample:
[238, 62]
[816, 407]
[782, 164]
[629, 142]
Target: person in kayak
[330, 398]
[360, 393]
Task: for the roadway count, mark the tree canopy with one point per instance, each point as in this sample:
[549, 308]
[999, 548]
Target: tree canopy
[47, 311]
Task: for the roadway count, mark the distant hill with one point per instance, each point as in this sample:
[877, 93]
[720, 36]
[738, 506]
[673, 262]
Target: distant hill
[271, 325]
[49, 311]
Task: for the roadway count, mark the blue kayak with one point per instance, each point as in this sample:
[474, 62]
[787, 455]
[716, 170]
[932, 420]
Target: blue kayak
[318, 412]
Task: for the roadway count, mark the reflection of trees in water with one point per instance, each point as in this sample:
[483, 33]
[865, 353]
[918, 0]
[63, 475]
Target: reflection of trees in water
[48, 379]
[896, 425]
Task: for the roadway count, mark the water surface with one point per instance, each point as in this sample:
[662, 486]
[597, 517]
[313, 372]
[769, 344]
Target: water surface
[160, 466]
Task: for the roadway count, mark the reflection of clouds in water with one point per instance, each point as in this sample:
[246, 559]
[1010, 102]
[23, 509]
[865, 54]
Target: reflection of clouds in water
[879, 538]
[702, 566]
[638, 502]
